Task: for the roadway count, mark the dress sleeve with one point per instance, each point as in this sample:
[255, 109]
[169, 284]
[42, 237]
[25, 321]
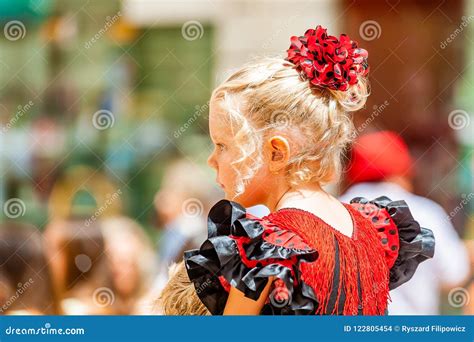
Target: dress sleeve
[405, 243]
[243, 251]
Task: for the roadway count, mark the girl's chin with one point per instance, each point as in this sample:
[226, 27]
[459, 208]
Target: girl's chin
[242, 200]
[230, 196]
[245, 199]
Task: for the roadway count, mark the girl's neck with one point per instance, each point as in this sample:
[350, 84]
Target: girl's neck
[288, 196]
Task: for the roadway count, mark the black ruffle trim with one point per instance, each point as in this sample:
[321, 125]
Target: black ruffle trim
[219, 256]
[417, 244]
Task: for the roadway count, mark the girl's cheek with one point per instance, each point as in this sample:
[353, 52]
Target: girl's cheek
[227, 163]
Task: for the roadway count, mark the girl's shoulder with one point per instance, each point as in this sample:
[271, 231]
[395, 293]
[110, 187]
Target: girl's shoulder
[228, 218]
[244, 251]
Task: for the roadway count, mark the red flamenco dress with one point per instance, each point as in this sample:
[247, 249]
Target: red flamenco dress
[317, 269]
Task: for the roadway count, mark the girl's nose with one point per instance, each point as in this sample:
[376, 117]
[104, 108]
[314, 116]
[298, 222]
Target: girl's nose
[211, 162]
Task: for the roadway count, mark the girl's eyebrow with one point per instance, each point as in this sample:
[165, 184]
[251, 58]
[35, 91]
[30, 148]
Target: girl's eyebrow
[220, 140]
[216, 137]
[211, 137]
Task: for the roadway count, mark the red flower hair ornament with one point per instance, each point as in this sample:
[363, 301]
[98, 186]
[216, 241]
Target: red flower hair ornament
[327, 61]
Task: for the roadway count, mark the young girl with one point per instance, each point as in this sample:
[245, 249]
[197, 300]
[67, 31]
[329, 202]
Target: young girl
[280, 128]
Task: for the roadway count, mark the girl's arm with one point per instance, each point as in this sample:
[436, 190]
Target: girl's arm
[238, 304]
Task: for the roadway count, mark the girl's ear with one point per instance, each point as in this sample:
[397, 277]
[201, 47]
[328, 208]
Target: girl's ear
[279, 152]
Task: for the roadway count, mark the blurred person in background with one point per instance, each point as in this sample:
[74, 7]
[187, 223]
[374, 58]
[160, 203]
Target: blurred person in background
[381, 165]
[81, 271]
[132, 261]
[182, 204]
[25, 280]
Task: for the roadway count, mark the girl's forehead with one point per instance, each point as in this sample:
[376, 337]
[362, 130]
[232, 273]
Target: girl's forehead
[218, 125]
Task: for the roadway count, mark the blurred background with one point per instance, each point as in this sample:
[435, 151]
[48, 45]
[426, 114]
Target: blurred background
[104, 137]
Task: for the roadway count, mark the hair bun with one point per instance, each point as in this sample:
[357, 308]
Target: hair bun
[327, 61]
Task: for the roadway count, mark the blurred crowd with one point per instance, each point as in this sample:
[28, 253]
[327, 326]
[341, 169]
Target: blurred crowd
[82, 265]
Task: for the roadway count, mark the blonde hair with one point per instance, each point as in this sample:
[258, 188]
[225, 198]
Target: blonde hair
[269, 94]
[179, 295]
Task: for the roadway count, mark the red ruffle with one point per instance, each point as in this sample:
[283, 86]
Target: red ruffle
[385, 227]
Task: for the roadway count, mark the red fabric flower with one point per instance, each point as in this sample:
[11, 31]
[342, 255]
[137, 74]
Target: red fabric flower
[327, 61]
